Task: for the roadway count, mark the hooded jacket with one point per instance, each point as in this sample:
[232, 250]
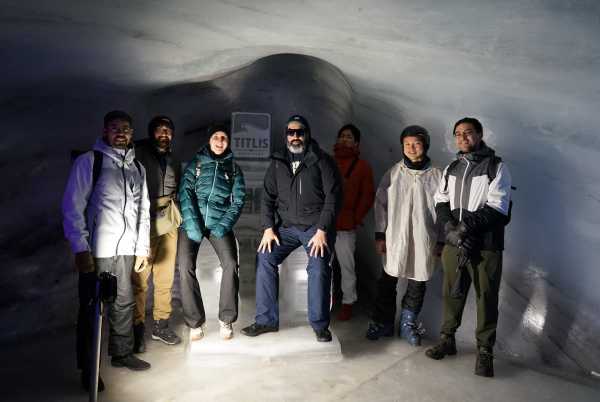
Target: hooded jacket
[312, 196]
[211, 195]
[113, 218]
[466, 194]
[359, 189]
[405, 212]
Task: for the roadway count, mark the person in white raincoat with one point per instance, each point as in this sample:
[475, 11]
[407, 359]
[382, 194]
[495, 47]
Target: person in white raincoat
[406, 236]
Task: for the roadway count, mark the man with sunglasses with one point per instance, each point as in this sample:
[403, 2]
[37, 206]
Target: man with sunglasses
[106, 219]
[472, 204]
[301, 199]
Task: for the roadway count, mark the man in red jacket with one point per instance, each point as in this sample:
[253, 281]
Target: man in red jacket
[359, 194]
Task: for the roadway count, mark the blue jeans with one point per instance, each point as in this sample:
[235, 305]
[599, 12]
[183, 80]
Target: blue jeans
[319, 278]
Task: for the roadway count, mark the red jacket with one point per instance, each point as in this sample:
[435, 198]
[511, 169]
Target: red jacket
[359, 190]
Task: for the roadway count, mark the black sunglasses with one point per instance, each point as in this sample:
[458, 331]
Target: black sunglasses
[298, 132]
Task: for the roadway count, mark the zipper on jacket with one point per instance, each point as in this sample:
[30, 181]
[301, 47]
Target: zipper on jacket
[211, 190]
[462, 187]
[124, 203]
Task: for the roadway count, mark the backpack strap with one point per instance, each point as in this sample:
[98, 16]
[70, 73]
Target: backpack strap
[198, 170]
[351, 168]
[96, 168]
[138, 166]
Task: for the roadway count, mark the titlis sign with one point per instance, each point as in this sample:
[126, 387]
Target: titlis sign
[251, 135]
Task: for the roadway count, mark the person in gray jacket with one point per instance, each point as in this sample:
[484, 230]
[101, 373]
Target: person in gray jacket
[472, 203]
[162, 177]
[106, 222]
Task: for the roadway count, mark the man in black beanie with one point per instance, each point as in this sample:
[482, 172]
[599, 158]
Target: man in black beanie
[301, 199]
[163, 174]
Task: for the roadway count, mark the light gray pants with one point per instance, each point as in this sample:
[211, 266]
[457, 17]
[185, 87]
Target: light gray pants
[120, 313]
[345, 245]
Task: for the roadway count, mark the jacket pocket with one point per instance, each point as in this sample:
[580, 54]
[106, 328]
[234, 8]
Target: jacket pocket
[312, 209]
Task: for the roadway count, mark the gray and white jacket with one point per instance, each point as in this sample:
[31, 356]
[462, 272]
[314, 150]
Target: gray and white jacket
[113, 218]
[466, 192]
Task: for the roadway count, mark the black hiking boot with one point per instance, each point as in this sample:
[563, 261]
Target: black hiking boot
[139, 344]
[258, 329]
[323, 335]
[131, 362]
[445, 347]
[484, 366]
[162, 332]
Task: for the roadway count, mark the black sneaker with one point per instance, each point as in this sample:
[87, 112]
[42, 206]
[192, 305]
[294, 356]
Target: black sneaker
[85, 382]
[323, 335]
[162, 332]
[446, 346]
[484, 366]
[131, 362]
[139, 344]
[258, 329]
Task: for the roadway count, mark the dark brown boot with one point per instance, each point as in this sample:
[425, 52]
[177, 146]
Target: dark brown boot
[446, 346]
[484, 366]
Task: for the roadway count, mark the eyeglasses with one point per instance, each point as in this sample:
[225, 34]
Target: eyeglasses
[298, 132]
[117, 130]
[469, 134]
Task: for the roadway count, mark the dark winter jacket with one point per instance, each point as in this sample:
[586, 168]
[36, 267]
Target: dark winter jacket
[211, 195]
[163, 176]
[359, 189]
[467, 194]
[312, 196]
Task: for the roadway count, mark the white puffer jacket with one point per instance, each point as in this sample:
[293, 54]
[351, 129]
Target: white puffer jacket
[115, 218]
[405, 212]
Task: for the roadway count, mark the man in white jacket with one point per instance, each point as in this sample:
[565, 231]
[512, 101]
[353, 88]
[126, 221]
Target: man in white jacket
[106, 221]
[406, 236]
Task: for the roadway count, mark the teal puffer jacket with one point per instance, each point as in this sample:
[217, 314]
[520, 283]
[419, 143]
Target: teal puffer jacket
[211, 195]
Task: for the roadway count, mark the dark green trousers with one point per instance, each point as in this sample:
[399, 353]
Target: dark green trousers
[485, 278]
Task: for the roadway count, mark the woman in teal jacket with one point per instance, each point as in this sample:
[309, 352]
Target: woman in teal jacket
[211, 196]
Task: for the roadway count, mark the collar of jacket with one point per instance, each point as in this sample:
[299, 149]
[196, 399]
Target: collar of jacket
[477, 156]
[119, 155]
[415, 172]
[342, 152]
[313, 154]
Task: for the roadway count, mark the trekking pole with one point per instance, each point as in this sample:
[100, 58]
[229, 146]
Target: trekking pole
[106, 292]
[96, 343]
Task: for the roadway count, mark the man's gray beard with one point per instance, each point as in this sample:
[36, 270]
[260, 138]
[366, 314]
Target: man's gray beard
[296, 149]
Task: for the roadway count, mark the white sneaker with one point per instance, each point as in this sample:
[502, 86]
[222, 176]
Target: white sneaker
[225, 330]
[196, 333]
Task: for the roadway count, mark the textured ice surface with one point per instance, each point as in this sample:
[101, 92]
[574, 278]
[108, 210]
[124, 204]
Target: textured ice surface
[528, 70]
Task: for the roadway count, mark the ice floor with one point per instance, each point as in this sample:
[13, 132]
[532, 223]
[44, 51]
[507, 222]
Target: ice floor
[388, 370]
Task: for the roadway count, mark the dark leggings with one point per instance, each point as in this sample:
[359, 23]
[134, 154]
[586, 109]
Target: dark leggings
[385, 301]
[191, 296]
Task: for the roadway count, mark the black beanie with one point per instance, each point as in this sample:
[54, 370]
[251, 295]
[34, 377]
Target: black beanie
[160, 121]
[300, 119]
[416, 131]
[213, 128]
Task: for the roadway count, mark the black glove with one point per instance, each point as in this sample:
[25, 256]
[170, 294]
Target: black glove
[471, 245]
[455, 233]
[483, 220]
